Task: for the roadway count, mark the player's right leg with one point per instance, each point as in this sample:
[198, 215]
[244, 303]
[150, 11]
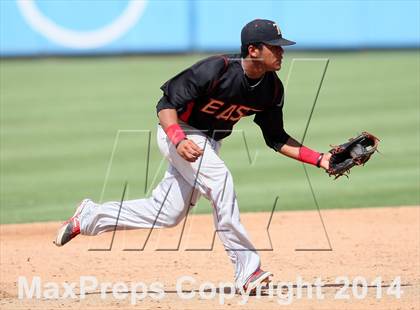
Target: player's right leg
[71, 227]
[168, 205]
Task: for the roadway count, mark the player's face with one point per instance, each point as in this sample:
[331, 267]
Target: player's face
[272, 57]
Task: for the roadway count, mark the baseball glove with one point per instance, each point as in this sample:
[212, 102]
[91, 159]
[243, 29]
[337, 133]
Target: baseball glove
[357, 151]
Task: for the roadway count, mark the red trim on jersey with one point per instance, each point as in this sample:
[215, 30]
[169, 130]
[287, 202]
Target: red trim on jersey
[306, 155]
[184, 116]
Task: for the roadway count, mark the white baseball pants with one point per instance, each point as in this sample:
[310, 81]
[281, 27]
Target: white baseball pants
[174, 196]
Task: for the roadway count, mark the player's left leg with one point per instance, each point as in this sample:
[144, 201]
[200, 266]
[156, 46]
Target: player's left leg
[211, 176]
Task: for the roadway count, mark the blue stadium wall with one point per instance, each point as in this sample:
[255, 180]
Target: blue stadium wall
[44, 27]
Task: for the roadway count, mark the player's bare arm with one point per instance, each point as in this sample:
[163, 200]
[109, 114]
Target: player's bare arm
[293, 149]
[186, 148]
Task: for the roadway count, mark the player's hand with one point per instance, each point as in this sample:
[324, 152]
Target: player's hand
[188, 150]
[325, 161]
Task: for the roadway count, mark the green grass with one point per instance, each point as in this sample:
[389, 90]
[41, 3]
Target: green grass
[60, 117]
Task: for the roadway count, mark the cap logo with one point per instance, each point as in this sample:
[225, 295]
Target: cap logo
[277, 28]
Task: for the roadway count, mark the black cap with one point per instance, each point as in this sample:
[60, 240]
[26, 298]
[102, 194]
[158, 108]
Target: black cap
[264, 31]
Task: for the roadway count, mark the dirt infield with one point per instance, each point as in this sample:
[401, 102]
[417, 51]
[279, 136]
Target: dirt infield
[366, 244]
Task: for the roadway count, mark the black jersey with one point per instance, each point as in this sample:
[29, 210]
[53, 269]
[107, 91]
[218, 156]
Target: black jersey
[214, 94]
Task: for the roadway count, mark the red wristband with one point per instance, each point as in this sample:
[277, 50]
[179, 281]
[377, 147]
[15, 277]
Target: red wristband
[175, 134]
[309, 156]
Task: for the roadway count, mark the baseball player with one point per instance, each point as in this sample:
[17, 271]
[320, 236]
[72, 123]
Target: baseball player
[198, 109]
